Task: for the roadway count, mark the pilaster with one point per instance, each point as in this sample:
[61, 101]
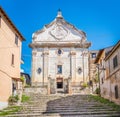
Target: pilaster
[45, 65]
[73, 65]
[34, 52]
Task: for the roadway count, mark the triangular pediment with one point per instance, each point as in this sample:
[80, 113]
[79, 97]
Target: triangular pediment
[59, 30]
[59, 33]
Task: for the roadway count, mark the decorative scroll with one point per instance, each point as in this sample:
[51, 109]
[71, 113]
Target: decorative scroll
[59, 32]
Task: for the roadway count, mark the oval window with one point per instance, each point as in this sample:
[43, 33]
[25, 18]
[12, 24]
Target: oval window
[39, 70]
[79, 70]
[59, 51]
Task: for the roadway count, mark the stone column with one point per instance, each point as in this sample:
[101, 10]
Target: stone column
[72, 76]
[33, 66]
[45, 66]
[73, 65]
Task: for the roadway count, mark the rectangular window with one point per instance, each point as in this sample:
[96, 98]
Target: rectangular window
[93, 55]
[16, 39]
[115, 62]
[59, 69]
[12, 62]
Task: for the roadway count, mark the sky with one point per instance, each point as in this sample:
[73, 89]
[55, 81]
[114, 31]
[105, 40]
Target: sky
[99, 19]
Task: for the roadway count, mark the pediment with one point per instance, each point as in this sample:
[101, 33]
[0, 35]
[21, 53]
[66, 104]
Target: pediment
[59, 30]
[59, 33]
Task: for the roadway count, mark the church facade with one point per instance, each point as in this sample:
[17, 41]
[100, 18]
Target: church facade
[60, 57]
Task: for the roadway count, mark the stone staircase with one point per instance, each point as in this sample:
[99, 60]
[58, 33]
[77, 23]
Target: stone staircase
[60, 105]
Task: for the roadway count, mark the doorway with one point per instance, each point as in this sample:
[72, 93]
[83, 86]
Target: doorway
[59, 83]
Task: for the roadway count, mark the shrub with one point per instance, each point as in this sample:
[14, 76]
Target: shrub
[13, 99]
[25, 98]
[97, 91]
[22, 78]
[85, 85]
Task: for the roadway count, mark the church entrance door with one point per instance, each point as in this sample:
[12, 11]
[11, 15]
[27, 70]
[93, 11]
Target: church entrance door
[59, 83]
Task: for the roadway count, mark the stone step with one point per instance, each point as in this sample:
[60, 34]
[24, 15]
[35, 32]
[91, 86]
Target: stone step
[85, 113]
[78, 109]
[102, 115]
[64, 112]
[34, 115]
[59, 111]
[74, 106]
[64, 106]
[81, 114]
[58, 115]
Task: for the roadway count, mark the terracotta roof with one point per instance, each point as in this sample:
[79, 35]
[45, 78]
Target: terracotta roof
[11, 23]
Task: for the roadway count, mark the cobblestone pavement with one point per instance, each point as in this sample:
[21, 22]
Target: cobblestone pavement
[60, 105]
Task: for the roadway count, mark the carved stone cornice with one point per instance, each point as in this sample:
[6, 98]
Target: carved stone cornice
[59, 44]
[58, 32]
[72, 53]
[45, 53]
[34, 53]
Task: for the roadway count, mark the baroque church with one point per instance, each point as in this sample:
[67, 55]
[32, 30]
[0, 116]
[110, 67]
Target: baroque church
[60, 57]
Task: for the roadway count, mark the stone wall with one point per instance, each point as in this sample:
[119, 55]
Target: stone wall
[112, 78]
[40, 90]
